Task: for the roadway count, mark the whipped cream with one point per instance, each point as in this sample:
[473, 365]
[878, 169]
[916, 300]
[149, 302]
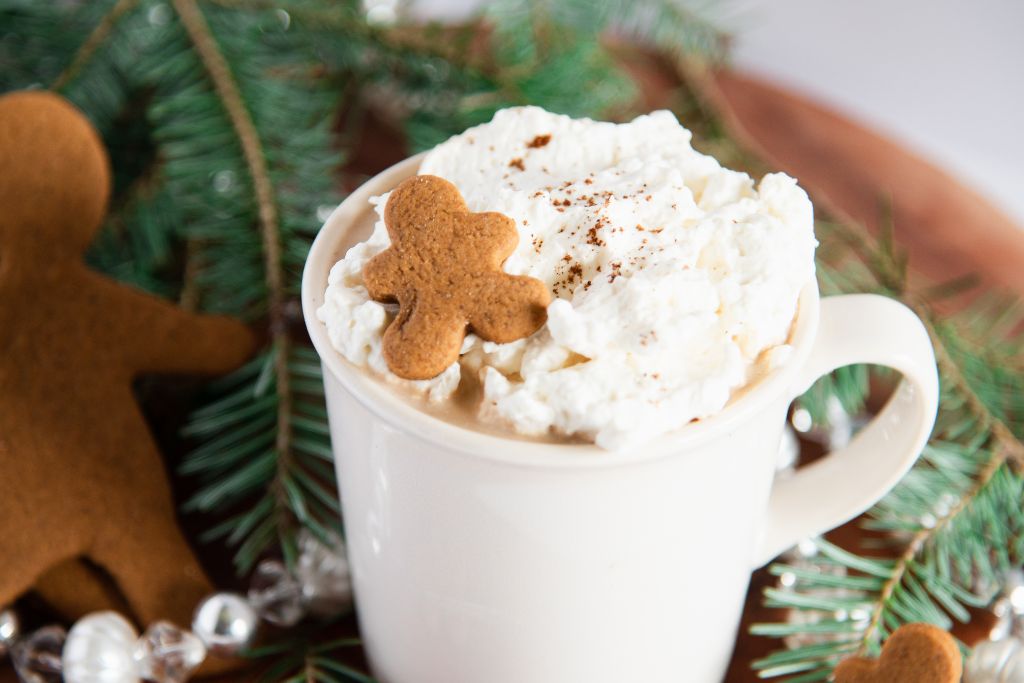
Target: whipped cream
[675, 280]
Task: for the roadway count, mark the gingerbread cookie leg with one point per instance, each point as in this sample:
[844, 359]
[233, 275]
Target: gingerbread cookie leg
[162, 580]
[165, 583]
[135, 538]
[31, 543]
[77, 587]
[35, 556]
[423, 340]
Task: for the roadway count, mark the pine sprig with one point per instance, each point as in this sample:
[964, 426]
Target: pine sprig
[959, 548]
[551, 53]
[679, 28]
[957, 516]
[282, 129]
[238, 459]
[300, 660]
[241, 161]
[956, 521]
[45, 38]
[99, 35]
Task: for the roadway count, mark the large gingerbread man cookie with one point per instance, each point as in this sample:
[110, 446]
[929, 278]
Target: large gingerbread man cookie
[80, 475]
[444, 270]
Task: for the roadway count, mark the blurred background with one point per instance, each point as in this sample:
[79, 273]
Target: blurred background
[943, 77]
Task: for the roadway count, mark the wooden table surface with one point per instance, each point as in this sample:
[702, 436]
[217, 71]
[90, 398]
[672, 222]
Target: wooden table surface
[947, 229]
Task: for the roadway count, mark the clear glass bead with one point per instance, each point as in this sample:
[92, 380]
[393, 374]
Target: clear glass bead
[324, 575]
[37, 657]
[789, 453]
[275, 594]
[225, 622]
[9, 630]
[999, 661]
[168, 654]
[1009, 608]
[1003, 627]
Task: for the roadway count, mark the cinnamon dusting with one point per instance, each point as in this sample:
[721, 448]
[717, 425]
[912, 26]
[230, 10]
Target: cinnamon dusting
[539, 141]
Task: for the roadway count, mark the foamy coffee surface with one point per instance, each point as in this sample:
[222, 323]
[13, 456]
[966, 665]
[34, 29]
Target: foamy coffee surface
[675, 280]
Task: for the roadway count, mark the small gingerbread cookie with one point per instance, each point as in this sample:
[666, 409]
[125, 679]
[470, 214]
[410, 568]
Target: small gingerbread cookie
[444, 270]
[915, 653]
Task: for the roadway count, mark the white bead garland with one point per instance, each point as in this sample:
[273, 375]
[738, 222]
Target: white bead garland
[225, 622]
[10, 629]
[100, 649]
[104, 647]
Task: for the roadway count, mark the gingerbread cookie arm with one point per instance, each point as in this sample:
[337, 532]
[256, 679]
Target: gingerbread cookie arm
[514, 308]
[494, 236]
[170, 340]
[382, 276]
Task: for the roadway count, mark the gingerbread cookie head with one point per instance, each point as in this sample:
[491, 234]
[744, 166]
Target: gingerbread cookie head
[915, 653]
[42, 135]
[444, 270]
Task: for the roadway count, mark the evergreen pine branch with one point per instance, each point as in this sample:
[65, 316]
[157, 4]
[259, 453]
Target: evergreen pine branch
[42, 40]
[242, 469]
[676, 27]
[241, 162]
[299, 489]
[984, 405]
[252, 149]
[958, 514]
[956, 521]
[139, 240]
[934, 578]
[98, 36]
[929, 607]
[98, 81]
[302, 659]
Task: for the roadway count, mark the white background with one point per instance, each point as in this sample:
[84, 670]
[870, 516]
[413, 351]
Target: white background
[943, 77]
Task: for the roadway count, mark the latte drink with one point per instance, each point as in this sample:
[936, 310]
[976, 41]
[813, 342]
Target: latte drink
[674, 281]
[583, 501]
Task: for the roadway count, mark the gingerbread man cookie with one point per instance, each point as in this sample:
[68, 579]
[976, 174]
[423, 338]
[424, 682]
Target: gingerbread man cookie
[81, 479]
[444, 270]
[915, 653]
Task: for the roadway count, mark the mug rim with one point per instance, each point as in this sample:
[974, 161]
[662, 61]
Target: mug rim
[383, 401]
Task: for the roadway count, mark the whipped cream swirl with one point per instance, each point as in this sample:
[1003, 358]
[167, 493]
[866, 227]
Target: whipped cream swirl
[675, 280]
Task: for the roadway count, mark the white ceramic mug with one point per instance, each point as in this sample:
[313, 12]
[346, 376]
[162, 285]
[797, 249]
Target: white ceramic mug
[481, 559]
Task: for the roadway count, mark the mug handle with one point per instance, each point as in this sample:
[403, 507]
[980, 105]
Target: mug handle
[857, 328]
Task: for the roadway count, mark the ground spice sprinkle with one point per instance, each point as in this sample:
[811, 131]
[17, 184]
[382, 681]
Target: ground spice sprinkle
[539, 141]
